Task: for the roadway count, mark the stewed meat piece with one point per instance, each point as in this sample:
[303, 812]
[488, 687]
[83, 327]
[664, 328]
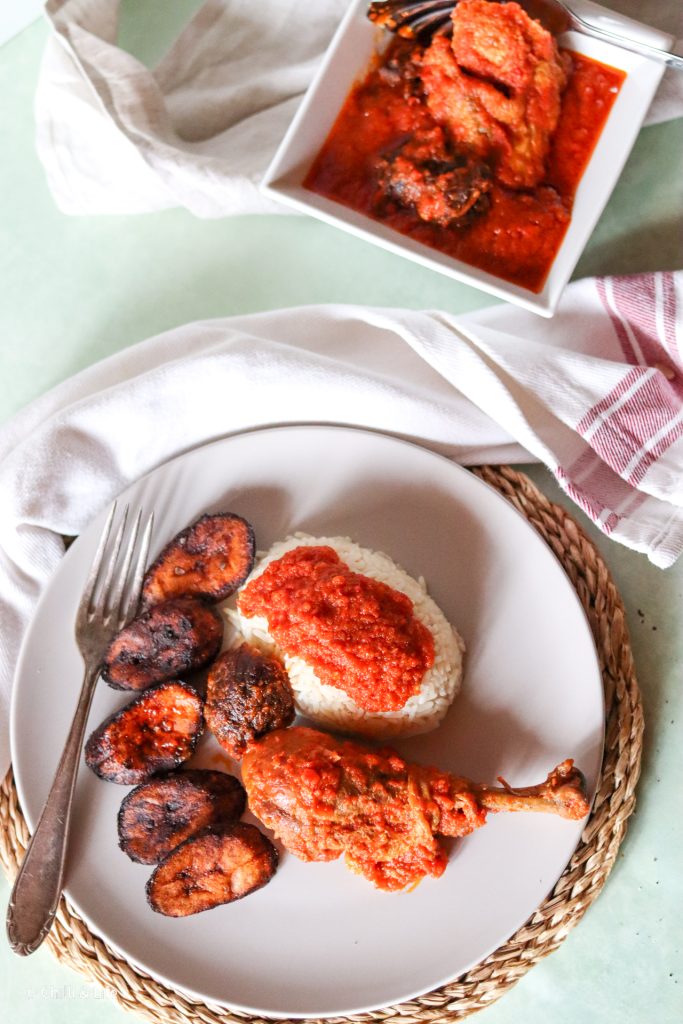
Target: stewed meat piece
[496, 88]
[441, 185]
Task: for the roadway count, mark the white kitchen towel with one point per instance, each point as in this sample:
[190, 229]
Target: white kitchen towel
[595, 394]
[200, 128]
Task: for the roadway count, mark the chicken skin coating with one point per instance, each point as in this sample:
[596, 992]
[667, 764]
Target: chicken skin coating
[325, 797]
[496, 87]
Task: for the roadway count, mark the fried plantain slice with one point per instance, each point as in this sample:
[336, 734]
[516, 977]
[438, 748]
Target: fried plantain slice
[248, 694]
[160, 814]
[217, 866]
[209, 559]
[154, 733]
[171, 639]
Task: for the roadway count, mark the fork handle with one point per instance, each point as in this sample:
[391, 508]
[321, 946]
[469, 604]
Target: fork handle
[38, 886]
[672, 60]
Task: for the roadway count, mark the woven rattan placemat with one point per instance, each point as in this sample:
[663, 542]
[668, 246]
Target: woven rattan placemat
[73, 943]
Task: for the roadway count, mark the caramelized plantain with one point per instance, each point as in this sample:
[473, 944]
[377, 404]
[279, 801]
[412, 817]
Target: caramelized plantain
[154, 733]
[217, 866]
[209, 559]
[171, 639]
[248, 694]
[160, 814]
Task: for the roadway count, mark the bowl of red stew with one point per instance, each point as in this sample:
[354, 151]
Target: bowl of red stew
[486, 153]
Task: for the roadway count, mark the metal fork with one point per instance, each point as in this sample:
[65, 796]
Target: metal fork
[110, 600]
[558, 17]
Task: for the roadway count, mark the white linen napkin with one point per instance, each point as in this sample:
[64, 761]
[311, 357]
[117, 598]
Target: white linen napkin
[595, 394]
[200, 129]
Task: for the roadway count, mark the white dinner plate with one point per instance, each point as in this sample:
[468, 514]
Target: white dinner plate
[318, 940]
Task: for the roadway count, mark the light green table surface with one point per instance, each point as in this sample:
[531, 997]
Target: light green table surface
[77, 289]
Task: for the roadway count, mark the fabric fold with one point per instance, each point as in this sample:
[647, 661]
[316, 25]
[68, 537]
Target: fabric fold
[499, 385]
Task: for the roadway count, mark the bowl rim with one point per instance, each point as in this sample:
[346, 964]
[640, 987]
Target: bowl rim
[282, 181]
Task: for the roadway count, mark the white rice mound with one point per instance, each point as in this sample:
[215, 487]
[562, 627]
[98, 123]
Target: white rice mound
[332, 707]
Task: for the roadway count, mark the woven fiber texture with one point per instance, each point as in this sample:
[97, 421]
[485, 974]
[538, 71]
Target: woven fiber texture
[73, 943]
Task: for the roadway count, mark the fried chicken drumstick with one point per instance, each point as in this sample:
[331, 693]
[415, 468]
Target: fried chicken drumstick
[324, 797]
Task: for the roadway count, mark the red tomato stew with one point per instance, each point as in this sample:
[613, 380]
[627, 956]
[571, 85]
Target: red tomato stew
[357, 633]
[407, 149]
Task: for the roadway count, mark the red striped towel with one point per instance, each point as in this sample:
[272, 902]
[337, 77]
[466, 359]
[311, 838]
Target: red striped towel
[631, 432]
[596, 394]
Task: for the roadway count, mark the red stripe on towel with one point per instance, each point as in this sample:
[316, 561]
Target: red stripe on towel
[646, 307]
[654, 453]
[630, 427]
[590, 503]
[602, 407]
[621, 333]
[670, 313]
[589, 473]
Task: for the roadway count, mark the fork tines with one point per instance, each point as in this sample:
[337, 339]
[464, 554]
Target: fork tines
[413, 19]
[111, 589]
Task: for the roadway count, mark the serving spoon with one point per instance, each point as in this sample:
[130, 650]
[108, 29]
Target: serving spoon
[421, 19]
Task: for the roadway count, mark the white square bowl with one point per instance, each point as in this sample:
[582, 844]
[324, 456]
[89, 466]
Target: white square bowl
[346, 62]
